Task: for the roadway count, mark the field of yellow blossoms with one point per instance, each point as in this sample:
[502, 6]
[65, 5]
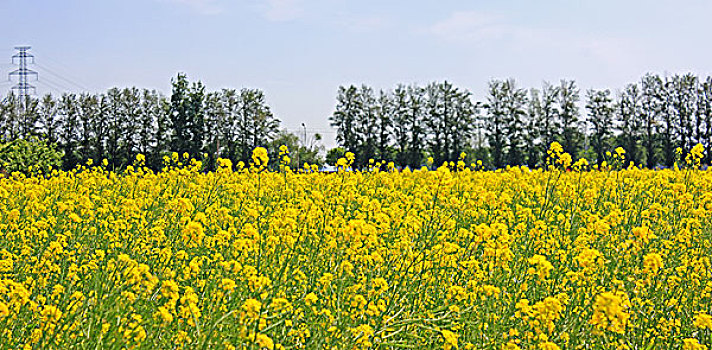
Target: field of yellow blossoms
[571, 257]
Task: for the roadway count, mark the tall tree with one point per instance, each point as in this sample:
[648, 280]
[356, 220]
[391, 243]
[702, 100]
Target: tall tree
[264, 125]
[464, 124]
[533, 131]
[89, 110]
[548, 119]
[130, 123]
[187, 116]
[69, 126]
[515, 102]
[345, 118]
[114, 127]
[629, 126]
[401, 131]
[47, 119]
[652, 108]
[435, 120]
[704, 110]
[495, 121]
[11, 115]
[29, 116]
[683, 102]
[504, 122]
[384, 115]
[600, 117]
[215, 115]
[366, 126]
[163, 135]
[148, 124]
[569, 117]
[228, 126]
[414, 122]
[100, 128]
[668, 127]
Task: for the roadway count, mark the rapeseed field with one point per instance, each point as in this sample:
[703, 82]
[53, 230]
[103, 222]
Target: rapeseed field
[571, 256]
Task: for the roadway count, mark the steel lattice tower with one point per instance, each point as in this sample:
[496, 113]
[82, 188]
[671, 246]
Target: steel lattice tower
[23, 87]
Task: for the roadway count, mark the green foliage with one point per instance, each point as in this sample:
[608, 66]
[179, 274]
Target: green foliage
[600, 112]
[299, 153]
[345, 118]
[119, 124]
[449, 117]
[30, 157]
[504, 122]
[402, 124]
[571, 133]
[334, 154]
[629, 122]
[649, 119]
[187, 115]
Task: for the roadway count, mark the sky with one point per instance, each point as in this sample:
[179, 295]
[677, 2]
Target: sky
[300, 51]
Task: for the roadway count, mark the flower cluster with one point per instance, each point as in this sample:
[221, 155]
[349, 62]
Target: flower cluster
[453, 258]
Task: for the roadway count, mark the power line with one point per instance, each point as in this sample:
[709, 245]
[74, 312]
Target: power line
[55, 88]
[64, 66]
[316, 128]
[23, 58]
[61, 67]
[56, 83]
[67, 80]
[309, 129]
[310, 132]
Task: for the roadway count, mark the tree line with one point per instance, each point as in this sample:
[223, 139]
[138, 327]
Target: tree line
[121, 123]
[512, 125]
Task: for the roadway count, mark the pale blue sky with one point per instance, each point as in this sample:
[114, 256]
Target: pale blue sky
[300, 51]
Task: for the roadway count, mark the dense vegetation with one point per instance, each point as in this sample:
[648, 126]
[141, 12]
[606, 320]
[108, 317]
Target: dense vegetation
[122, 123]
[29, 156]
[456, 258]
[514, 126]
[408, 125]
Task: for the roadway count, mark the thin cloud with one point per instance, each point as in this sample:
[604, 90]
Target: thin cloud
[365, 24]
[470, 26]
[283, 10]
[613, 51]
[206, 7]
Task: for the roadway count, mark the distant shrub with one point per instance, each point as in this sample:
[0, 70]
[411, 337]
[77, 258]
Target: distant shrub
[333, 155]
[30, 157]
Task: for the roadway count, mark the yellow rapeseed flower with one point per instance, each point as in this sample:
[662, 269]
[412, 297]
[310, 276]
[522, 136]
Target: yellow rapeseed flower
[449, 339]
[610, 312]
[692, 344]
[703, 320]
